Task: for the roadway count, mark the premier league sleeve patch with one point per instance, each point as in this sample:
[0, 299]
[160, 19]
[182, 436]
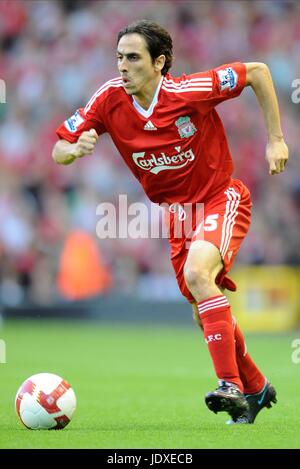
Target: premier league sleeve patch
[74, 122]
[228, 78]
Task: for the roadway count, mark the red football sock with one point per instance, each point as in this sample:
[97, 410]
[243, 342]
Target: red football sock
[219, 335]
[252, 378]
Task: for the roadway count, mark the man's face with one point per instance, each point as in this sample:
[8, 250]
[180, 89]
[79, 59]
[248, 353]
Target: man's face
[135, 64]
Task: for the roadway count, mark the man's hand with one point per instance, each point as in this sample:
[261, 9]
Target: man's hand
[277, 154]
[65, 152]
[86, 143]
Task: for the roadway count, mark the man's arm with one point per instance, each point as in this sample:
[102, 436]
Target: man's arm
[258, 76]
[65, 152]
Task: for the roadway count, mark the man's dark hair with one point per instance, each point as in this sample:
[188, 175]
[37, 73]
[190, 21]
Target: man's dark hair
[158, 40]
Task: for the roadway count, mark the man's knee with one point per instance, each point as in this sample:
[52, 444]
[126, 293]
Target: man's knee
[195, 275]
[201, 268]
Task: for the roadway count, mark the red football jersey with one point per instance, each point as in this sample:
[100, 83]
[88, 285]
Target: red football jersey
[177, 149]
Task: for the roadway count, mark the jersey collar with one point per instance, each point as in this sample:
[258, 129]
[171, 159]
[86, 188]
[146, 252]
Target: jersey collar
[147, 113]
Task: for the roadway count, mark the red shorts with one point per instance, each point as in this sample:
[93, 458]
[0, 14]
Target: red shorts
[226, 222]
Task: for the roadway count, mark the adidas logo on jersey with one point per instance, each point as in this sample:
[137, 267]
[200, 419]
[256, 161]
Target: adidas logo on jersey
[149, 126]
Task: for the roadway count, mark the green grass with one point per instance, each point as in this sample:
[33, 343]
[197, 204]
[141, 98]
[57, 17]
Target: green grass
[141, 387]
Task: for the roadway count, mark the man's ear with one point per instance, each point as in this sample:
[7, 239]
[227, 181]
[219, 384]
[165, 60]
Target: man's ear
[160, 62]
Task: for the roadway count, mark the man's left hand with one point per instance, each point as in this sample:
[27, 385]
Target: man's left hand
[277, 154]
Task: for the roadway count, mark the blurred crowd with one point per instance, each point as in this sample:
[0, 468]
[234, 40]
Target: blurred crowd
[54, 56]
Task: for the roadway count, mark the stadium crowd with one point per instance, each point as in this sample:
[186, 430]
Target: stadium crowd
[54, 56]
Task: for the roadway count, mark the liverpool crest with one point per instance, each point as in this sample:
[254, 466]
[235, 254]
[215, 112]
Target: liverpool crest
[185, 127]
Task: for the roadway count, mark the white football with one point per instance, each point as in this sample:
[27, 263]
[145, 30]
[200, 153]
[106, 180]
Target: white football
[45, 402]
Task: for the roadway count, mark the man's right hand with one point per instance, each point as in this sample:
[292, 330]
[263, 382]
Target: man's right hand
[86, 143]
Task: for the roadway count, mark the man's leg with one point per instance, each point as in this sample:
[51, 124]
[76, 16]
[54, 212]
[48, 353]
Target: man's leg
[201, 269]
[259, 392]
[253, 380]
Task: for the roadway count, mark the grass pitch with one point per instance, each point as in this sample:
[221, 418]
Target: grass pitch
[141, 387]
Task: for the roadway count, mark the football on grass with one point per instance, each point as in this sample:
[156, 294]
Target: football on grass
[45, 401]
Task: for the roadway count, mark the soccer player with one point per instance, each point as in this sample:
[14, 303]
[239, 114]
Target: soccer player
[169, 134]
